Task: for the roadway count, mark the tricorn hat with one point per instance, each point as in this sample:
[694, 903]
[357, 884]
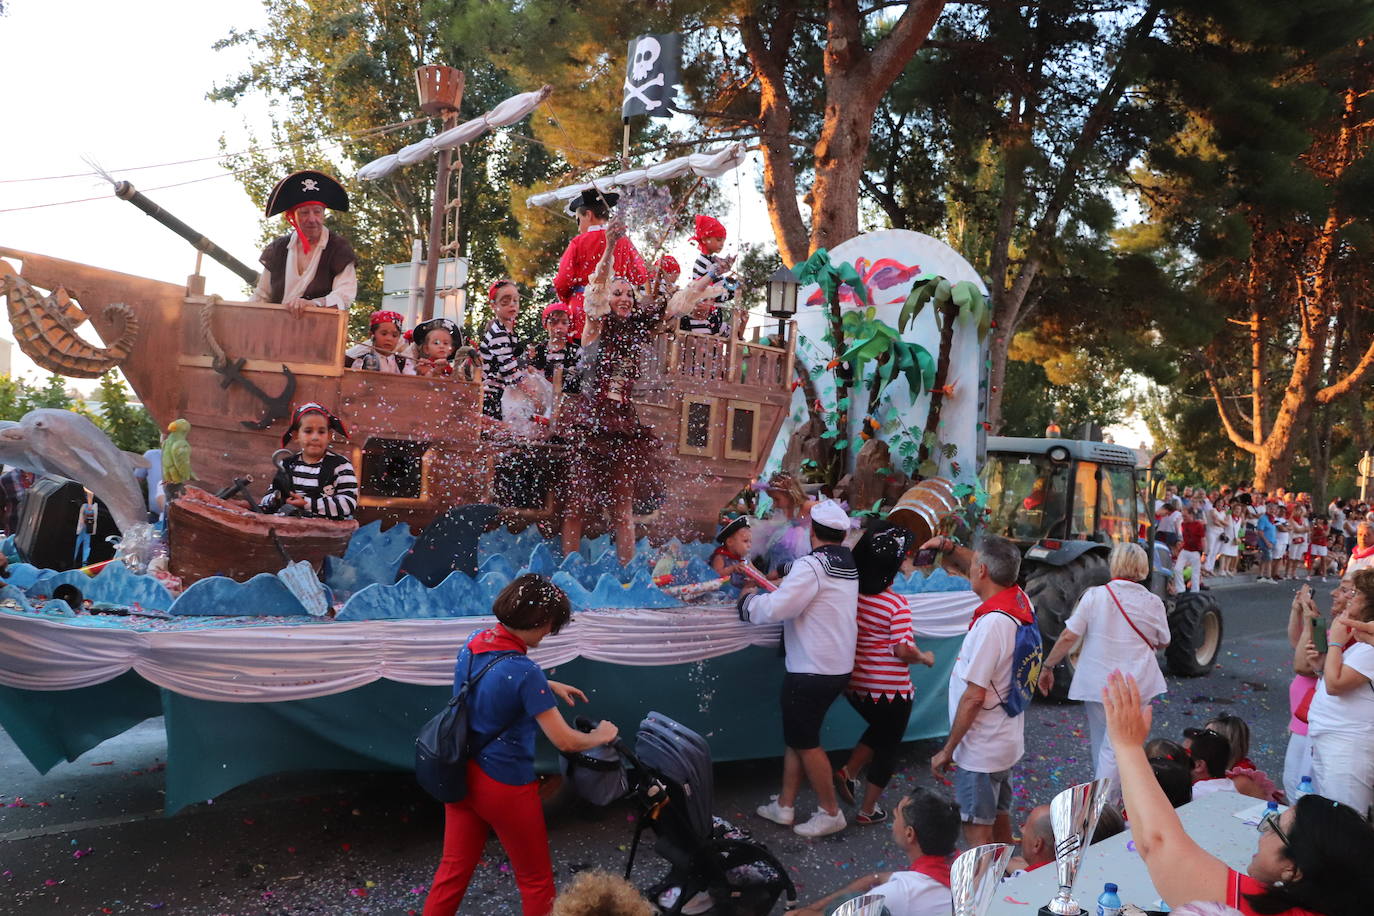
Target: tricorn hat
[729, 528]
[425, 328]
[591, 196]
[303, 187]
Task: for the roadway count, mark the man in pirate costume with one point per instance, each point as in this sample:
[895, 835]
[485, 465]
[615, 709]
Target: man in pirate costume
[593, 211]
[309, 266]
[315, 482]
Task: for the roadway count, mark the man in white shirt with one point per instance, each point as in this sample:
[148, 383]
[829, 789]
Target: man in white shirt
[308, 267]
[1211, 753]
[925, 826]
[817, 603]
[1362, 556]
[984, 741]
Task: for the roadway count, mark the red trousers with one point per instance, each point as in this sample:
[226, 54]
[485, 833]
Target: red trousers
[517, 816]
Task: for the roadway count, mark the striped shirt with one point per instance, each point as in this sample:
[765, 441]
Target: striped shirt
[330, 488]
[500, 349]
[884, 623]
[711, 324]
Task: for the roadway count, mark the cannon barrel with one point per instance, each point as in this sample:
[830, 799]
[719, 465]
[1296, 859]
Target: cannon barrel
[126, 191]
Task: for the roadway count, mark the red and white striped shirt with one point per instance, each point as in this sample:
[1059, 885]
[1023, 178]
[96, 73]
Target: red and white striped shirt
[884, 623]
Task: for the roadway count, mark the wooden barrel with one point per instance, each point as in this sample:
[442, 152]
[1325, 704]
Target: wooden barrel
[922, 508]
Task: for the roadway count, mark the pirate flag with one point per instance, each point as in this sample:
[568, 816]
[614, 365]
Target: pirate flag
[651, 76]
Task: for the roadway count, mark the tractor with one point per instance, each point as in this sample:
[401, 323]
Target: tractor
[1065, 502]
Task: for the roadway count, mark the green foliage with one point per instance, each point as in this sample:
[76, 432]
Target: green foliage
[129, 427]
[1032, 401]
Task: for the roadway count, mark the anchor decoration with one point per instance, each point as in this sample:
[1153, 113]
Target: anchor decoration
[275, 408]
[231, 371]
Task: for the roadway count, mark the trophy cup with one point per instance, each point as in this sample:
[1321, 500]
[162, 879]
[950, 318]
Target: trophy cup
[1073, 815]
[974, 877]
[867, 905]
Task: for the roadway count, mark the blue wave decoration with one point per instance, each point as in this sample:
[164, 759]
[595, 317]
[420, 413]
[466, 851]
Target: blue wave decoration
[373, 556]
[264, 595]
[24, 575]
[114, 584]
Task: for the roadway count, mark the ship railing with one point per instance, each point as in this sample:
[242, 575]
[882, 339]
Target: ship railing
[718, 358]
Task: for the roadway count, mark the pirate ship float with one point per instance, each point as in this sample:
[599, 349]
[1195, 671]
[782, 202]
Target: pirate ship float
[234, 370]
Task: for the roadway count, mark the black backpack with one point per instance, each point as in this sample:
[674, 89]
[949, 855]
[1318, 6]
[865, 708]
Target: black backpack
[442, 749]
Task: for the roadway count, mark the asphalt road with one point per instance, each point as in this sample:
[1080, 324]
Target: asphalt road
[89, 837]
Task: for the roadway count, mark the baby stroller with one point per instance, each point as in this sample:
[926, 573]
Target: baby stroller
[670, 784]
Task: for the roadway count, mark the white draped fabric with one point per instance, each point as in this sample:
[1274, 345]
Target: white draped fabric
[508, 112]
[708, 165]
[253, 664]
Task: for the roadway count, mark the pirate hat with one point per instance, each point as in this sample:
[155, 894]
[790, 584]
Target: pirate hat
[312, 407]
[591, 196]
[305, 187]
[730, 528]
[423, 329]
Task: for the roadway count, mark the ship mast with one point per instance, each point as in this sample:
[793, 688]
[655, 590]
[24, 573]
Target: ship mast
[441, 94]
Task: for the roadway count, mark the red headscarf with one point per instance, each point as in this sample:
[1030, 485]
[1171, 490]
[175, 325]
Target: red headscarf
[491, 292]
[707, 227]
[291, 218]
[553, 307]
[380, 316]
[668, 265]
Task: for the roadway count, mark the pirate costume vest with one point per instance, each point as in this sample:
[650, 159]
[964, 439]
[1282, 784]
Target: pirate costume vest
[337, 255]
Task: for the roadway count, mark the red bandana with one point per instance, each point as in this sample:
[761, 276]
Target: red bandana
[1359, 553]
[1010, 600]
[936, 867]
[497, 639]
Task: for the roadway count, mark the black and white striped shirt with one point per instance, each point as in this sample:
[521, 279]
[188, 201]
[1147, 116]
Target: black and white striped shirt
[330, 488]
[500, 349]
[711, 324]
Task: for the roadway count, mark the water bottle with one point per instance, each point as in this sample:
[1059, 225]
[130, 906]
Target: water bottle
[1109, 904]
[1304, 788]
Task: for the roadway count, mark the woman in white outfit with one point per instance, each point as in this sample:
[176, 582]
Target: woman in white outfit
[1214, 516]
[1121, 625]
[1340, 723]
[1231, 537]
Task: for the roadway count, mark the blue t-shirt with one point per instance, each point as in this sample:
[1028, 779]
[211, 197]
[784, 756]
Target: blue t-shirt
[505, 701]
[1267, 530]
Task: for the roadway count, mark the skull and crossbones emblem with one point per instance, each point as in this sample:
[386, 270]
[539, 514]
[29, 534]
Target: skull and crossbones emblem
[310, 184]
[647, 51]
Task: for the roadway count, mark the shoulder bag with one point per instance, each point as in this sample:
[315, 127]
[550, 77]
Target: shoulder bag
[442, 748]
[1127, 618]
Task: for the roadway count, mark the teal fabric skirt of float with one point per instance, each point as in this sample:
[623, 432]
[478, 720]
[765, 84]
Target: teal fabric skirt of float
[213, 745]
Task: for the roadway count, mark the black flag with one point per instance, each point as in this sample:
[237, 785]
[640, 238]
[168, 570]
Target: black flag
[651, 75]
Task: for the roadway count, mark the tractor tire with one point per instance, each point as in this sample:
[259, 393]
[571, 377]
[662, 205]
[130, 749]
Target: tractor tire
[1195, 632]
[1054, 592]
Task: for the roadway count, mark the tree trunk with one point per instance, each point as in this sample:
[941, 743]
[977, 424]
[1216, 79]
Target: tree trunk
[840, 155]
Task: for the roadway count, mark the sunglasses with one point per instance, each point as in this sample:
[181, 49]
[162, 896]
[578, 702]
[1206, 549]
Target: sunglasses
[1270, 822]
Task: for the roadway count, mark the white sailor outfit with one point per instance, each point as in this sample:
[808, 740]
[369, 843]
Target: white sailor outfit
[817, 603]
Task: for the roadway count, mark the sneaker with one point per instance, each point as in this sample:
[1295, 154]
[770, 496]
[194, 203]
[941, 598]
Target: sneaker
[777, 813]
[846, 786]
[821, 824]
[876, 816]
[700, 902]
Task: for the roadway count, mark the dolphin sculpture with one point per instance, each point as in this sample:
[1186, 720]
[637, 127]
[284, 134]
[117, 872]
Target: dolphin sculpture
[66, 444]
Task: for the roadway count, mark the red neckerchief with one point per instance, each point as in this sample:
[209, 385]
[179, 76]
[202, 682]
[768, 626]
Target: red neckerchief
[727, 553]
[936, 867]
[1359, 553]
[1010, 600]
[497, 639]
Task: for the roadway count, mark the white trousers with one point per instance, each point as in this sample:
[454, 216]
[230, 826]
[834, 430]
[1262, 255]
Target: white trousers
[1188, 558]
[1297, 763]
[1104, 756]
[1343, 765]
[1213, 548]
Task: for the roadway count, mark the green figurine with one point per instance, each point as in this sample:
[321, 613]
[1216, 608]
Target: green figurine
[176, 458]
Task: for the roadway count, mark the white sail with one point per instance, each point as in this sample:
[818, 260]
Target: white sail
[711, 164]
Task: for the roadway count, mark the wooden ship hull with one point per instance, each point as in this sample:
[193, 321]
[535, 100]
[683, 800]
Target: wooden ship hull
[209, 536]
[418, 444]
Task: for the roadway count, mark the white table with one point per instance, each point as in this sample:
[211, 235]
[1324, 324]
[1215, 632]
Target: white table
[1208, 820]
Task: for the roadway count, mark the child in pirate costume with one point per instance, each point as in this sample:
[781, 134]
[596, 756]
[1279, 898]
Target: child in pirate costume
[434, 342]
[314, 482]
[593, 211]
[734, 540]
[500, 348]
[710, 239]
[309, 266]
[378, 353]
[557, 351]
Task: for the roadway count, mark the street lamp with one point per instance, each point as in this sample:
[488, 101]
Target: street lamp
[782, 298]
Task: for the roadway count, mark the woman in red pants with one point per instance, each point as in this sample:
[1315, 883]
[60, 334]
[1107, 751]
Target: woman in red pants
[504, 707]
